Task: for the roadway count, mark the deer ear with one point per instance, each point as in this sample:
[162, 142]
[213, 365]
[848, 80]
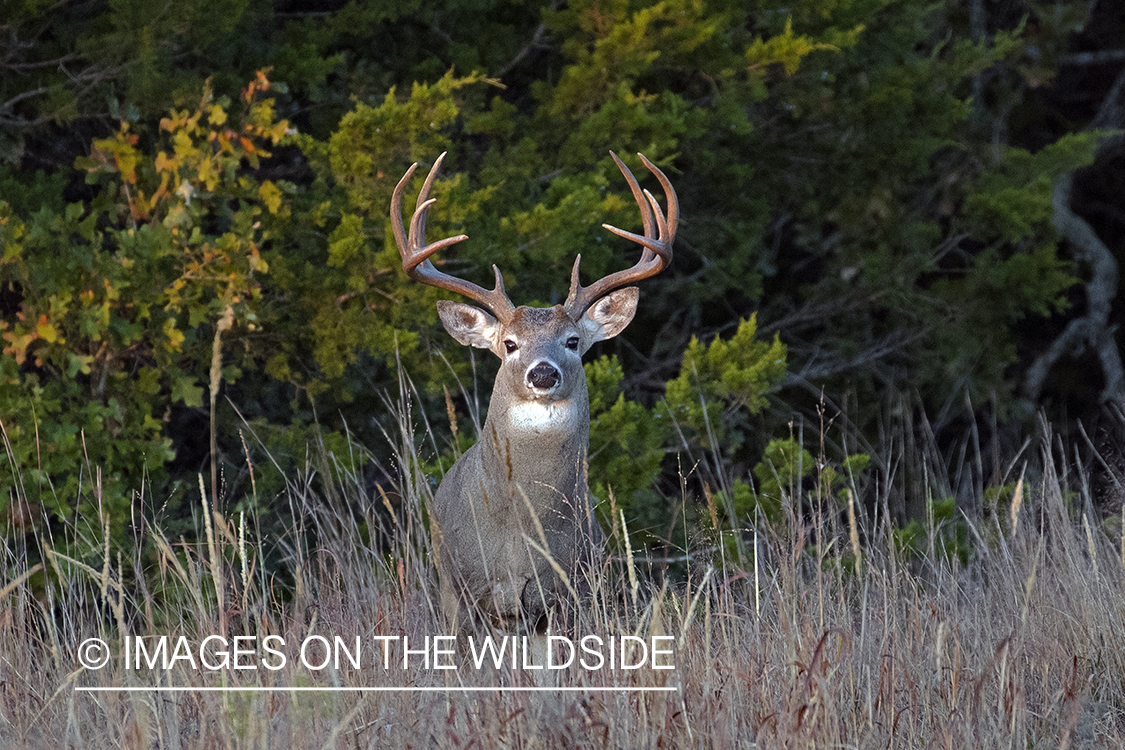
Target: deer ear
[608, 316]
[469, 325]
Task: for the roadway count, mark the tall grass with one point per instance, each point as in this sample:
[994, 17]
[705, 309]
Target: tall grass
[849, 642]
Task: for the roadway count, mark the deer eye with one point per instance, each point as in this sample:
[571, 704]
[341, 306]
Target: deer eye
[572, 343]
[510, 345]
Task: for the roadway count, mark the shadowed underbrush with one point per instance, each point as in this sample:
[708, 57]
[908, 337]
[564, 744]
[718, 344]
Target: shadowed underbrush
[800, 644]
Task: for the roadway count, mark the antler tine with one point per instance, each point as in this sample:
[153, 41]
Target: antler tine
[416, 253]
[646, 211]
[673, 221]
[396, 210]
[659, 234]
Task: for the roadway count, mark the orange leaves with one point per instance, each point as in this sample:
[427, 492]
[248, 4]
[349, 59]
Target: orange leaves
[119, 295]
[45, 330]
[17, 344]
[20, 339]
[181, 223]
[163, 163]
[257, 262]
[120, 152]
[203, 150]
[260, 84]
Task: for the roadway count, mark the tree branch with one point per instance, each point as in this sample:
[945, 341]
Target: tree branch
[1093, 330]
[536, 40]
[1099, 57]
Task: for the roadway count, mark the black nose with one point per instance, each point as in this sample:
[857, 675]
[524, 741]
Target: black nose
[544, 375]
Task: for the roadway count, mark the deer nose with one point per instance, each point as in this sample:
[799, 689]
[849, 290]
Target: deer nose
[544, 375]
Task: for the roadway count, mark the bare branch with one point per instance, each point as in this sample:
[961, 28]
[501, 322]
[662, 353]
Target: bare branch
[21, 96]
[820, 364]
[41, 64]
[1093, 330]
[536, 41]
[1098, 57]
[89, 78]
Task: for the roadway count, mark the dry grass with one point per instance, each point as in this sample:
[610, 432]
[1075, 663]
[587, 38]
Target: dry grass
[1024, 647]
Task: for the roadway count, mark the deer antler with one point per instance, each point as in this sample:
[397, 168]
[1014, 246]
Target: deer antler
[657, 244]
[416, 253]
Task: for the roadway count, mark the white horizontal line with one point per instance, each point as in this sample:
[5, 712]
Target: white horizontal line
[386, 689]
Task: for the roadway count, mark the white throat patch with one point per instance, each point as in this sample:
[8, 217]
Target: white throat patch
[538, 417]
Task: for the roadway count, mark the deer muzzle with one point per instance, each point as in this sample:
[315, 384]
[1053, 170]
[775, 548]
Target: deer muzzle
[544, 376]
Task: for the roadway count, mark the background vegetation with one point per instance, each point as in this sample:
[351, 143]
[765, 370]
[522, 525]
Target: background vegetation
[860, 452]
[902, 220]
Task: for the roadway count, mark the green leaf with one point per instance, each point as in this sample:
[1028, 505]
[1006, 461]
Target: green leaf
[185, 390]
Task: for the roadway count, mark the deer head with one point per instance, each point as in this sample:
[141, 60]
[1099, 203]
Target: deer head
[527, 473]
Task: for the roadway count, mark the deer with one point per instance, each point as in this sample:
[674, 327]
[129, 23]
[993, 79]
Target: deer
[513, 527]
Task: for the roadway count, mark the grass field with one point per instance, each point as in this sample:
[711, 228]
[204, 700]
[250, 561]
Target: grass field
[796, 645]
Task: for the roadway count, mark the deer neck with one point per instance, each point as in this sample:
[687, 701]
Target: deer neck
[532, 442]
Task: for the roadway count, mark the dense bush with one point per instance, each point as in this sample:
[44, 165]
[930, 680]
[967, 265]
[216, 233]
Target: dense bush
[871, 182]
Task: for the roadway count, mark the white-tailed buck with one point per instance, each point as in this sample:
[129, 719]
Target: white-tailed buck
[515, 530]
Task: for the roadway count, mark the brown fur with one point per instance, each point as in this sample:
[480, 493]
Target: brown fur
[516, 529]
